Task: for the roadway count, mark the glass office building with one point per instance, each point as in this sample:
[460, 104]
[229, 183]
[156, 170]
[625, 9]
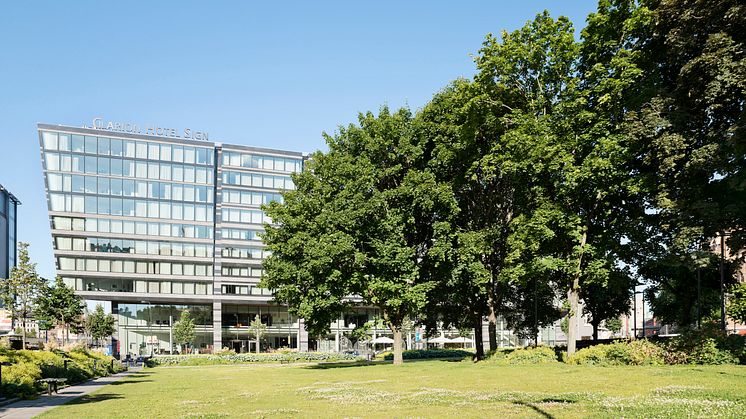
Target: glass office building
[8, 228]
[157, 225]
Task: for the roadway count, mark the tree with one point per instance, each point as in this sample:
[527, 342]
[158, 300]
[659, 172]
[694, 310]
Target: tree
[19, 292]
[58, 305]
[363, 227]
[607, 298]
[99, 324]
[737, 303]
[183, 329]
[614, 324]
[257, 328]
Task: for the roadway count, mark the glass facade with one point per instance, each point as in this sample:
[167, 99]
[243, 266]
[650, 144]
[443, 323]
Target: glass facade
[8, 243]
[138, 218]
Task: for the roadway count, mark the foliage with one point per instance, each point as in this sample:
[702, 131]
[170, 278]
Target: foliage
[99, 324]
[20, 291]
[183, 329]
[637, 352]
[614, 324]
[429, 354]
[58, 305]
[244, 358]
[709, 346]
[524, 356]
[737, 303]
[257, 329]
[21, 378]
[366, 220]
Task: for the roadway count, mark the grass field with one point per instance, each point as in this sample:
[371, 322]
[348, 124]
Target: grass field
[420, 389]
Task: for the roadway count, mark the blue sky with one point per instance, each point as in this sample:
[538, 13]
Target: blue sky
[269, 74]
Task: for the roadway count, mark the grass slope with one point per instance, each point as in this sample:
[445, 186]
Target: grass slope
[420, 389]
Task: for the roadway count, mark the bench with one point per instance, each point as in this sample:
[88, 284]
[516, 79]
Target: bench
[284, 361]
[52, 383]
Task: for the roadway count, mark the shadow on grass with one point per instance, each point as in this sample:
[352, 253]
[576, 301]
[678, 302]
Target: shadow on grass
[535, 408]
[94, 398]
[332, 365]
[125, 381]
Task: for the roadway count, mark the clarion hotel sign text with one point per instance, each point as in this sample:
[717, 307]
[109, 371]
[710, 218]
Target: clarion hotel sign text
[186, 133]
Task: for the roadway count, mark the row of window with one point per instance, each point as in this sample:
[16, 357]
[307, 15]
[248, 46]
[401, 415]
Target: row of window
[244, 272]
[247, 290]
[125, 187]
[255, 161]
[132, 227]
[127, 168]
[258, 180]
[234, 215]
[250, 197]
[127, 148]
[241, 234]
[138, 247]
[130, 207]
[132, 267]
[141, 286]
[245, 252]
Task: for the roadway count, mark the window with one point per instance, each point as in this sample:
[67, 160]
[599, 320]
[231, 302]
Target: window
[90, 145]
[50, 140]
[103, 146]
[53, 161]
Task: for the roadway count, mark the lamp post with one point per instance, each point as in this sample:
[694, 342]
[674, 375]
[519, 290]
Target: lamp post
[634, 302]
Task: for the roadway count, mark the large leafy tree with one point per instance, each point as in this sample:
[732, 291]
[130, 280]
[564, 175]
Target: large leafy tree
[364, 226]
[58, 305]
[20, 291]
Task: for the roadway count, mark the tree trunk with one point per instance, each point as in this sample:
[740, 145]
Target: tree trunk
[492, 323]
[478, 344]
[23, 331]
[595, 329]
[573, 298]
[257, 343]
[398, 358]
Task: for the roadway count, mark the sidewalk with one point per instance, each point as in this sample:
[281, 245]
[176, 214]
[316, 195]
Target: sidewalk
[31, 408]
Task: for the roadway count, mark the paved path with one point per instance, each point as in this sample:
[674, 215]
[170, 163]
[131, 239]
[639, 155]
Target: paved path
[31, 408]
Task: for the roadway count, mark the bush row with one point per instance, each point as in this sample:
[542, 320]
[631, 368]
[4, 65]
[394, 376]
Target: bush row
[429, 354]
[20, 379]
[245, 358]
[704, 347]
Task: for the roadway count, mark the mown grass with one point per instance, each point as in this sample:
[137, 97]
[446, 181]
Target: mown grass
[420, 389]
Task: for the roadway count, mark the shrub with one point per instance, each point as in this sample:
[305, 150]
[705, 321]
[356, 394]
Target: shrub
[638, 352]
[709, 345]
[429, 354]
[21, 378]
[531, 355]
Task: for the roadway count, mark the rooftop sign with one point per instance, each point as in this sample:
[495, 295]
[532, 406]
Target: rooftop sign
[186, 133]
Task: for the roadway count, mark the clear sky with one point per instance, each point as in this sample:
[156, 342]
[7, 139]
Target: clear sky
[268, 74]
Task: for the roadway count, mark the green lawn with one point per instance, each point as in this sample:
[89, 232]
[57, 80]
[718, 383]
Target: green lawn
[420, 389]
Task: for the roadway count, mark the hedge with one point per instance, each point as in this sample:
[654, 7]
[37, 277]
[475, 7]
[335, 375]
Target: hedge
[429, 354]
[20, 379]
[247, 358]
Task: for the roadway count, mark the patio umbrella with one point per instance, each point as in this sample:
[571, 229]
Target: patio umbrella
[463, 340]
[382, 339]
[440, 339]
